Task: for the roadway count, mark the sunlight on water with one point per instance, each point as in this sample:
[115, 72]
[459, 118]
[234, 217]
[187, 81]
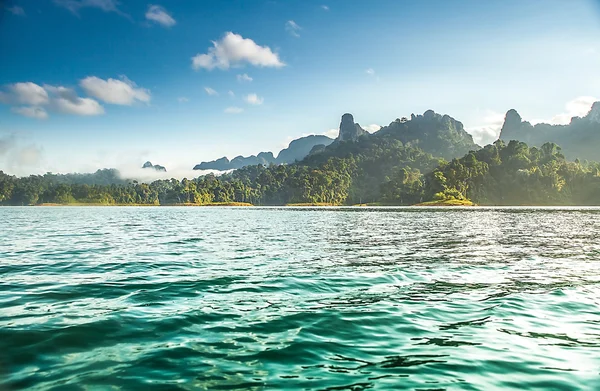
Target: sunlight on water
[282, 298]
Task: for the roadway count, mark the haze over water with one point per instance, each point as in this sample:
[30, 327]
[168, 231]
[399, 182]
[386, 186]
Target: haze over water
[284, 298]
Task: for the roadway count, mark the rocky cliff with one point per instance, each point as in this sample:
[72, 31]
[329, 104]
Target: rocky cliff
[579, 139]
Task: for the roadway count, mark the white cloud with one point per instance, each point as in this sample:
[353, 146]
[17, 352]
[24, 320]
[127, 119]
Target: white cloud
[65, 100]
[324, 7]
[159, 15]
[31, 111]
[492, 122]
[61, 99]
[118, 92]
[489, 130]
[244, 77]
[371, 128]
[231, 93]
[370, 72]
[182, 99]
[578, 107]
[332, 133]
[233, 110]
[235, 50]
[210, 91]
[27, 93]
[105, 5]
[16, 10]
[292, 28]
[254, 99]
[78, 106]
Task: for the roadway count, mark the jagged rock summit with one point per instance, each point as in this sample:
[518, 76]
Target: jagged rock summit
[594, 114]
[349, 130]
[440, 135]
[296, 151]
[156, 167]
[578, 139]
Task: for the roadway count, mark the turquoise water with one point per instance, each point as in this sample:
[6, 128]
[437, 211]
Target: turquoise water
[278, 298]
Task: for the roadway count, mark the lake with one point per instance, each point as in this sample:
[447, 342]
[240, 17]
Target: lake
[160, 298]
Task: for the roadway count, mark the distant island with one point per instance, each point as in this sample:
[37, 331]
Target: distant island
[426, 159]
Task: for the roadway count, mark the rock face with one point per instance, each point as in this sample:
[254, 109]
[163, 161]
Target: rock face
[224, 164]
[579, 139]
[512, 122]
[297, 150]
[440, 135]
[349, 131]
[154, 166]
[594, 114]
[300, 148]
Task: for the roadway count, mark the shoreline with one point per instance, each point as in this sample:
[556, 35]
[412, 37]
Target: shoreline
[49, 204]
[307, 206]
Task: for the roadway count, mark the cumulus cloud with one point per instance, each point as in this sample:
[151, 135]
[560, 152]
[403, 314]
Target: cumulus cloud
[27, 93]
[38, 99]
[16, 10]
[254, 99]
[31, 111]
[578, 107]
[233, 110]
[78, 106]
[66, 101]
[118, 92]
[210, 91]
[158, 14]
[331, 133]
[371, 128]
[235, 50]
[244, 78]
[489, 129]
[105, 5]
[292, 28]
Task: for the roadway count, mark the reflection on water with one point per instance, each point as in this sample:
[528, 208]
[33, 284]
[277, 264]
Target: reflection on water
[283, 298]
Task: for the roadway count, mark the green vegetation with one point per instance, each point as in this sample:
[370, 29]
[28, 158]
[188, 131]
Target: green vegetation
[310, 204]
[448, 202]
[370, 171]
[402, 164]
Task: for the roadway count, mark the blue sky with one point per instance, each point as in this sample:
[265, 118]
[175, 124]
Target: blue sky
[87, 84]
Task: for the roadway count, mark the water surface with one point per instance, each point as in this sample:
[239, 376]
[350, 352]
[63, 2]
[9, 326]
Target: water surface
[281, 298]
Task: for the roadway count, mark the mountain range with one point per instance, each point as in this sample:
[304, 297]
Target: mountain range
[297, 150]
[579, 139]
[424, 158]
[438, 134]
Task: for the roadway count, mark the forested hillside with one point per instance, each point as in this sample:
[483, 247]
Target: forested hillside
[427, 158]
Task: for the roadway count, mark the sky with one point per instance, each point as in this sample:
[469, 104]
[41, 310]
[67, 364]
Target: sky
[89, 84]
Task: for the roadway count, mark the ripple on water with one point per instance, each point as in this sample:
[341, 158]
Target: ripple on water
[284, 298]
